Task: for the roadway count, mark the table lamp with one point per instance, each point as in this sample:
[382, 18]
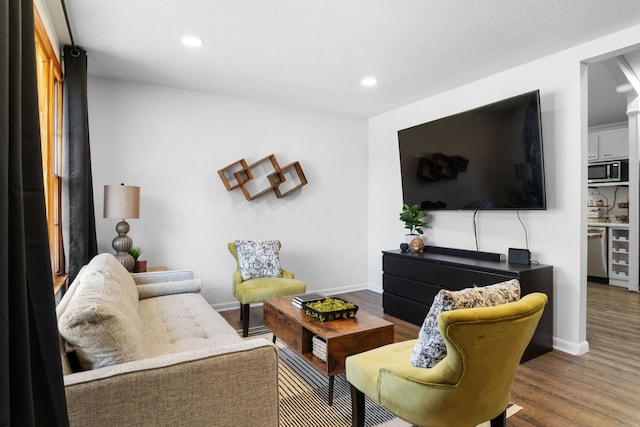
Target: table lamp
[122, 201]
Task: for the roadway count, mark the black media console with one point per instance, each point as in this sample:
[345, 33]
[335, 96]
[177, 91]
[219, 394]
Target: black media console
[411, 280]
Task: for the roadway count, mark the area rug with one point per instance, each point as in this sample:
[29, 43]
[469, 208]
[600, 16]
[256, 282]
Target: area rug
[304, 392]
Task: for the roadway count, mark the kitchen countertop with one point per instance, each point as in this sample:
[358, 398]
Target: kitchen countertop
[608, 224]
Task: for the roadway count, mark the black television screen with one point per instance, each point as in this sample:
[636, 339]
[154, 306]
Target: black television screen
[486, 158]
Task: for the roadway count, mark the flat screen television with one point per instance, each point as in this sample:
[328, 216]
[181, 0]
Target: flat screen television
[488, 158]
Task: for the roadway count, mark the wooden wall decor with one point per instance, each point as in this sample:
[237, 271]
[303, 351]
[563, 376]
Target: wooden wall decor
[263, 176]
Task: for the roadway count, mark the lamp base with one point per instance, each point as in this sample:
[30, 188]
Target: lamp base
[126, 260]
[121, 244]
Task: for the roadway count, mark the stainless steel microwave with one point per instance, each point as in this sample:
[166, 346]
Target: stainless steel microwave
[612, 171]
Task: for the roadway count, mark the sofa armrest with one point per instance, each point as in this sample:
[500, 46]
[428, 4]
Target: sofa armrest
[150, 290]
[161, 276]
[234, 384]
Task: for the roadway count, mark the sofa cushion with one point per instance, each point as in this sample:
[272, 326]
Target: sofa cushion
[182, 322]
[430, 347]
[259, 258]
[99, 318]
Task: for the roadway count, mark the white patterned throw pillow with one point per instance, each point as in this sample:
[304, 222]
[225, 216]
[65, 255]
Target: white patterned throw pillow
[431, 348]
[258, 258]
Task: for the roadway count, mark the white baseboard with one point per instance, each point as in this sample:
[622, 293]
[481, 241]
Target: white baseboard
[226, 306]
[341, 289]
[569, 347]
[376, 289]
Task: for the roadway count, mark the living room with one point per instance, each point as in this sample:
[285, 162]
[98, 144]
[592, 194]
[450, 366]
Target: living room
[334, 229]
[172, 141]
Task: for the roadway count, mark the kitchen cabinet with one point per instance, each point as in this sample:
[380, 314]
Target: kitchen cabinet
[608, 144]
[619, 256]
[620, 266]
[592, 151]
[613, 142]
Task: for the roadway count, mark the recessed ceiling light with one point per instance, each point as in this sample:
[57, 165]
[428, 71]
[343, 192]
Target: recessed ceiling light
[192, 41]
[369, 81]
[626, 87]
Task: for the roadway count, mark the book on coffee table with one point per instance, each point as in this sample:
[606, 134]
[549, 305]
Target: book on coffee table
[298, 300]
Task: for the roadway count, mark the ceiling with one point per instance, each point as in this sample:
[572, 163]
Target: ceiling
[313, 53]
[606, 104]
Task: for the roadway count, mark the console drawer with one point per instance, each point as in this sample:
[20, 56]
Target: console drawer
[405, 309]
[459, 278]
[416, 291]
[441, 275]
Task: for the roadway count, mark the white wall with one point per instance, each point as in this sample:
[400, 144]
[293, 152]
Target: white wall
[556, 236]
[172, 142]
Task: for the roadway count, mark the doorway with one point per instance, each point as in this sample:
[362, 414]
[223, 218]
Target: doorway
[613, 86]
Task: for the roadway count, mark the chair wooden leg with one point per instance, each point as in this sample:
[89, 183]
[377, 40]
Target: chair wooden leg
[500, 420]
[245, 319]
[357, 407]
[241, 306]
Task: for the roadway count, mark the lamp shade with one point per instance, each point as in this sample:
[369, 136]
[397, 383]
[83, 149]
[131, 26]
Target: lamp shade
[121, 201]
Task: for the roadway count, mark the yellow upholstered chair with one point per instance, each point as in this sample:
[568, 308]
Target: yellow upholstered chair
[260, 288]
[471, 385]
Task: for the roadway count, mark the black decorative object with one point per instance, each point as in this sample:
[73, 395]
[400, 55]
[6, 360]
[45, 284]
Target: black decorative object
[404, 247]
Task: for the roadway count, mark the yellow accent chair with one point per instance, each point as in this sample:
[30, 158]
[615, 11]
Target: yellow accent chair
[471, 385]
[258, 289]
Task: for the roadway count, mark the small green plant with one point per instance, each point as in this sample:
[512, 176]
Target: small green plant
[135, 252]
[413, 216]
[330, 304]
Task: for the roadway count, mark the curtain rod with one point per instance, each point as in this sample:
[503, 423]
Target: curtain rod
[74, 51]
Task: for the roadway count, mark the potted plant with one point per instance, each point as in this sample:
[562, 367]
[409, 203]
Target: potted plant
[413, 217]
[141, 265]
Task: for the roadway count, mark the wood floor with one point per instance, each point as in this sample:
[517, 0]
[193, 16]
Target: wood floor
[600, 388]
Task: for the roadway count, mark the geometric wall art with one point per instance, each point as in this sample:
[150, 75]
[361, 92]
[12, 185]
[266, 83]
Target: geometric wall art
[263, 176]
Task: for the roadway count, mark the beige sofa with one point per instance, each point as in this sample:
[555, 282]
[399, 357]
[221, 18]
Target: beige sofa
[148, 349]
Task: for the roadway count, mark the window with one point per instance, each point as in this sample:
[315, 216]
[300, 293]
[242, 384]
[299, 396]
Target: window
[49, 73]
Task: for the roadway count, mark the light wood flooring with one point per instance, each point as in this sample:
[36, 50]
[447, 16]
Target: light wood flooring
[600, 388]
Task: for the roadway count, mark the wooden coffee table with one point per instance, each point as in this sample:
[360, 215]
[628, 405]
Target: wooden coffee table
[343, 337]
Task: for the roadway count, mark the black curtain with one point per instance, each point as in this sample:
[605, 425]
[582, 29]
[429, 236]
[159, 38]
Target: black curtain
[82, 222]
[31, 388]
